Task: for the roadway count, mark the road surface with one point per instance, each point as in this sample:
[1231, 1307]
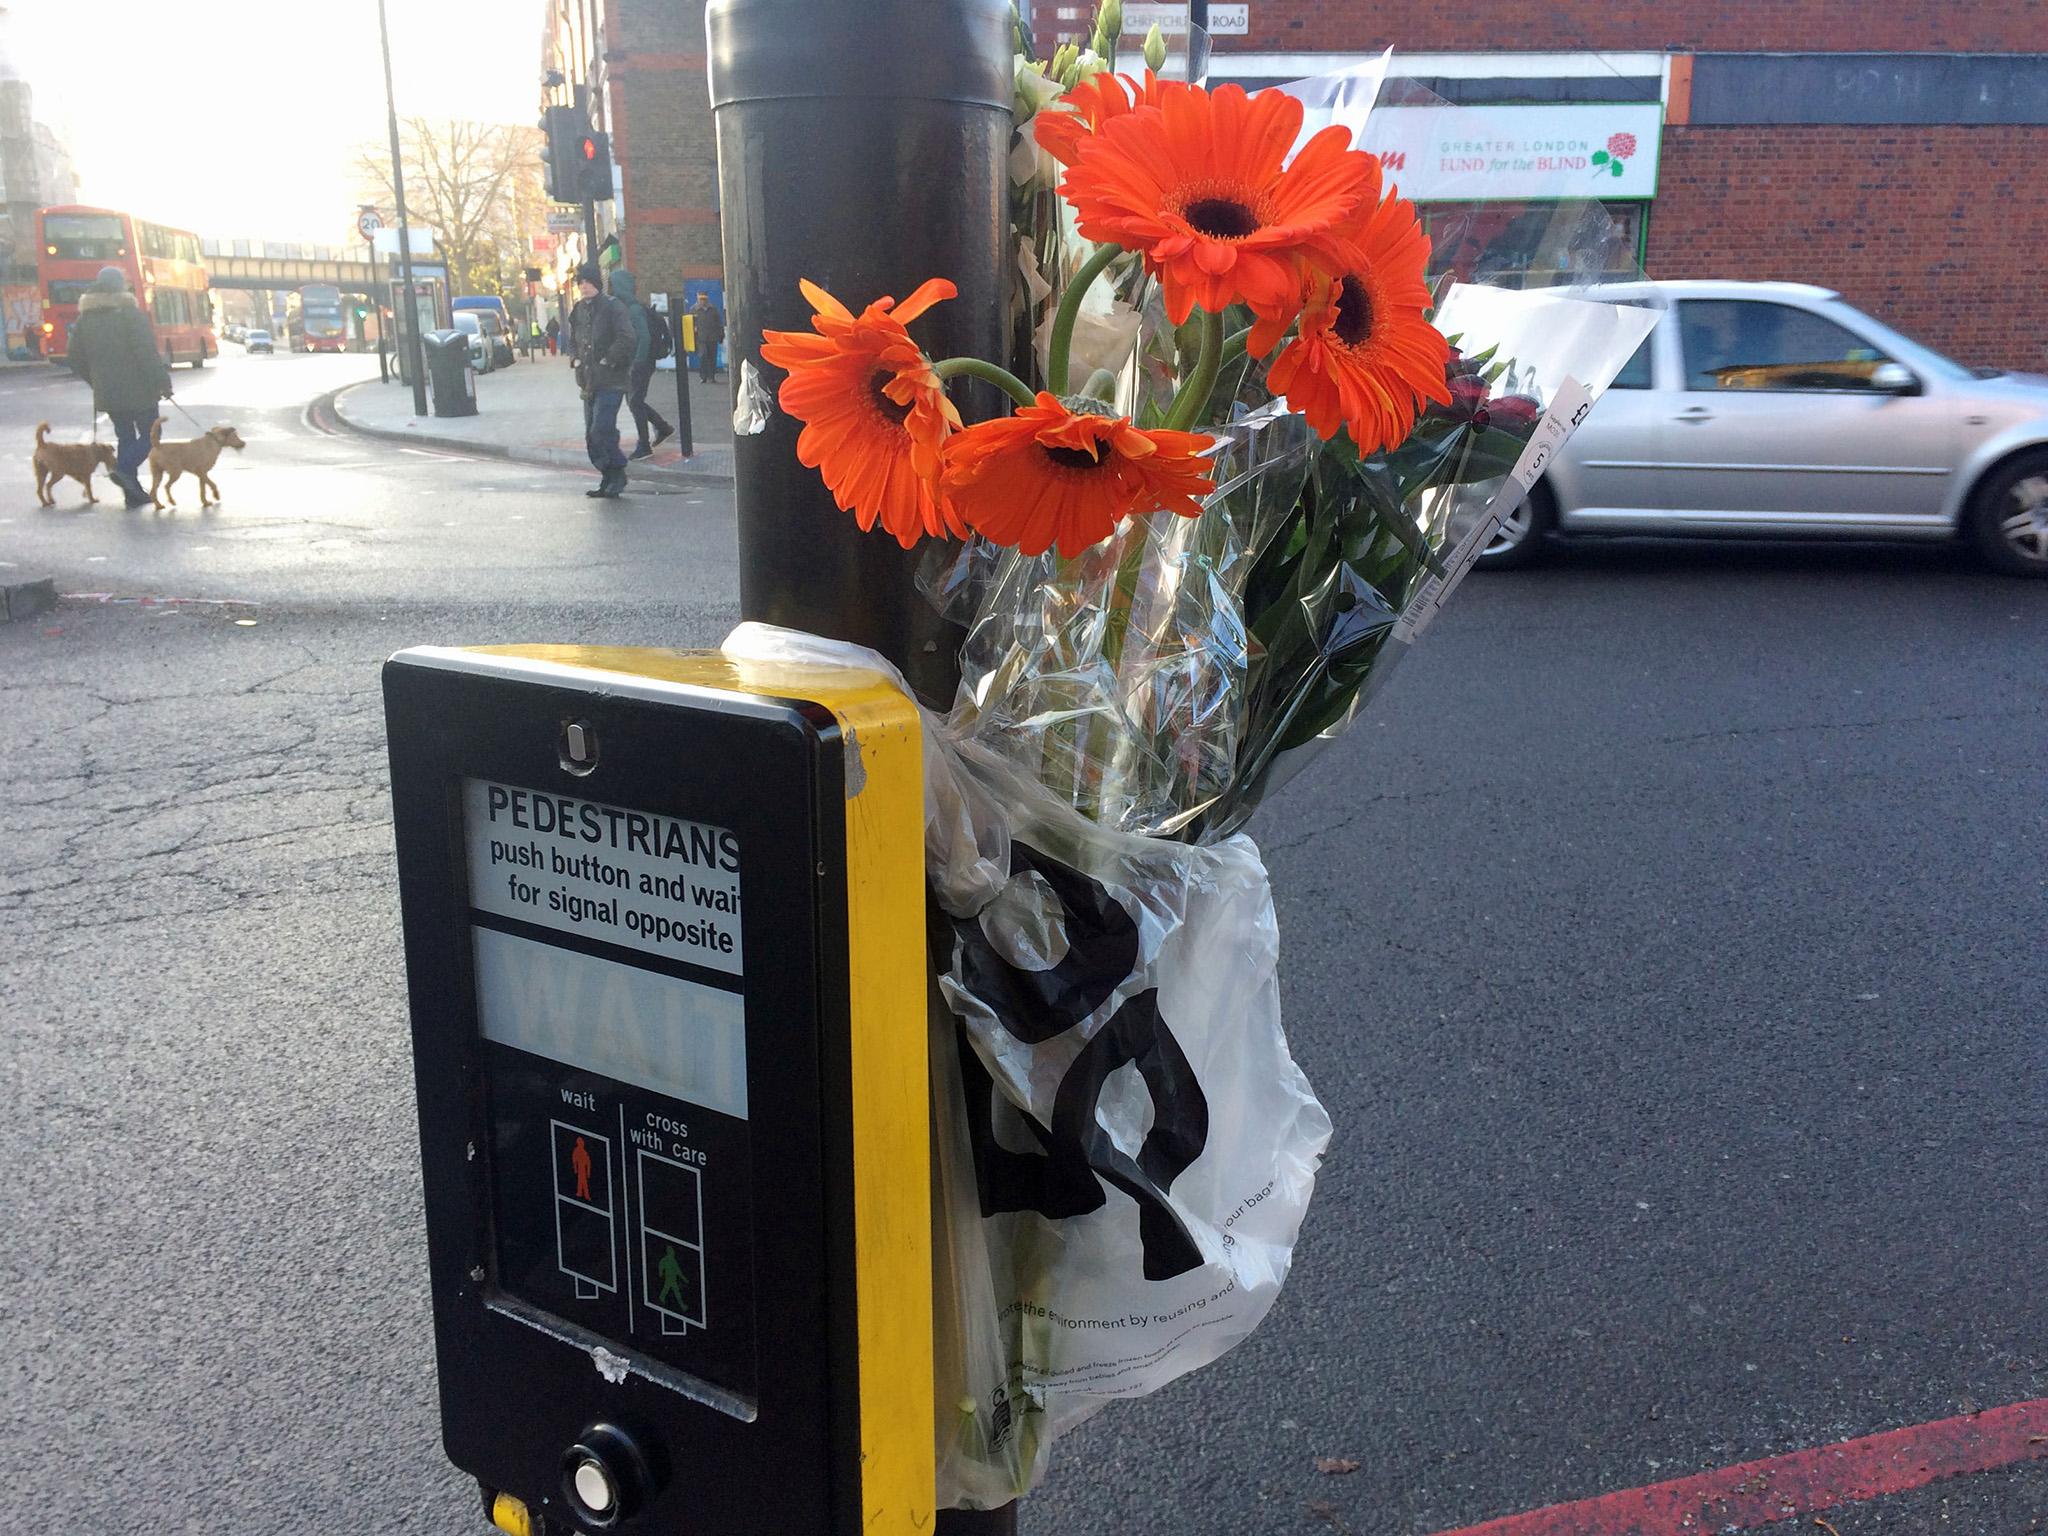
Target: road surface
[1667, 947]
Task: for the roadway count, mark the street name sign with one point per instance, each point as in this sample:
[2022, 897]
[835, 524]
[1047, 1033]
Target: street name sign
[664, 927]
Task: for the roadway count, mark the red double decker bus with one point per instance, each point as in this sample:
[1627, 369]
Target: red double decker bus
[163, 266]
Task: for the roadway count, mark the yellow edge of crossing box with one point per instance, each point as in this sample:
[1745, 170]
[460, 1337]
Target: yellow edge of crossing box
[887, 988]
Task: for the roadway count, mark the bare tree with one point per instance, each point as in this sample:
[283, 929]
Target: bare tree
[478, 187]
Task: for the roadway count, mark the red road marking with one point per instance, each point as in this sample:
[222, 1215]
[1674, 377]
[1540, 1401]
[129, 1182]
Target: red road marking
[1798, 1483]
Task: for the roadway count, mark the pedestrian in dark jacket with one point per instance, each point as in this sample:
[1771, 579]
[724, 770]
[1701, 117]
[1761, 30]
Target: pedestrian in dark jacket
[113, 348]
[627, 292]
[601, 342]
[709, 325]
[554, 334]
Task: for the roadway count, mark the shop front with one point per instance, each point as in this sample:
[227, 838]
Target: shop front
[1504, 190]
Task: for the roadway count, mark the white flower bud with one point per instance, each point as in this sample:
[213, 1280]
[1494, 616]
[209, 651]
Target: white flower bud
[1155, 49]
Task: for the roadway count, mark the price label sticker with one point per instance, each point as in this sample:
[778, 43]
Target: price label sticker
[1567, 409]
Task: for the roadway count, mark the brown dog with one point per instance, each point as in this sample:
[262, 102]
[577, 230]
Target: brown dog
[197, 457]
[74, 461]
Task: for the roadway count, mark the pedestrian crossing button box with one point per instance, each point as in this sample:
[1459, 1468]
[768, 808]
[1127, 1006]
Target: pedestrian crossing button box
[664, 935]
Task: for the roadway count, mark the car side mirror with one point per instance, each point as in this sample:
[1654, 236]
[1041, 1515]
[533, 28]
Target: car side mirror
[1894, 379]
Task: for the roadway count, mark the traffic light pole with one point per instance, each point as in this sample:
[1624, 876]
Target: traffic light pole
[408, 315]
[867, 182]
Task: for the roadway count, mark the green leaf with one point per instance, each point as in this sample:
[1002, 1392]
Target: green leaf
[1617, 167]
[1599, 157]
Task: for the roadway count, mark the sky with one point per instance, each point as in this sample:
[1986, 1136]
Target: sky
[245, 118]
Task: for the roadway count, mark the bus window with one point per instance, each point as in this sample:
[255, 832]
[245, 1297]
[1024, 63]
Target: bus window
[64, 290]
[83, 236]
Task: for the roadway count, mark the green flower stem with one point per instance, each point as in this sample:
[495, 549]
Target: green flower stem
[975, 368]
[1101, 385]
[1062, 342]
[1193, 398]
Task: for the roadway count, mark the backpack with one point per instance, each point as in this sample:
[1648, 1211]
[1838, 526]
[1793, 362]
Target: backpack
[658, 333]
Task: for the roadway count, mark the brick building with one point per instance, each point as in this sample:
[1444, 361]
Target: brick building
[1897, 152]
[640, 65]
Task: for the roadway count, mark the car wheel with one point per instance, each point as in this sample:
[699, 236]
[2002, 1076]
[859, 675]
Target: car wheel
[1520, 538]
[2009, 516]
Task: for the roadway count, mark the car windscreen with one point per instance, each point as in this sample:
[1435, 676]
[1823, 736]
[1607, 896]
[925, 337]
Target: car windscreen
[1902, 346]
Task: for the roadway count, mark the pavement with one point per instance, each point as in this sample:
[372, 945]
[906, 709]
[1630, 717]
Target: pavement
[531, 412]
[1665, 945]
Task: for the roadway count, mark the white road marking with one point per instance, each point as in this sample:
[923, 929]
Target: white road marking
[446, 458]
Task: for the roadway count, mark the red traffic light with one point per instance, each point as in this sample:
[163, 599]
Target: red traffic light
[589, 147]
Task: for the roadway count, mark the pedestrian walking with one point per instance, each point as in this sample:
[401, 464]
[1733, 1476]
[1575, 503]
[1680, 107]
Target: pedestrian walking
[601, 344]
[627, 292]
[554, 334]
[710, 327]
[114, 350]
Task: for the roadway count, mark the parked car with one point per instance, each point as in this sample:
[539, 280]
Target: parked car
[482, 356]
[1773, 409]
[499, 337]
[258, 341]
[497, 324]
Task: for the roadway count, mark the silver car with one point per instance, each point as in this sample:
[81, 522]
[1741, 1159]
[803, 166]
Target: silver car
[1761, 409]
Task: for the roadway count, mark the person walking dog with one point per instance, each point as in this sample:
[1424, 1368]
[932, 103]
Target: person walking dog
[601, 344]
[113, 348]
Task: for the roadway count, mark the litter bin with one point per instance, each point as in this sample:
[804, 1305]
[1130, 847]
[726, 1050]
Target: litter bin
[449, 373]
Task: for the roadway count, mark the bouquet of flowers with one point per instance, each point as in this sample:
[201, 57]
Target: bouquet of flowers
[1249, 451]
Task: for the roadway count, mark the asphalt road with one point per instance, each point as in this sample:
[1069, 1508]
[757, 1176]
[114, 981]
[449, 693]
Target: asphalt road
[1667, 948]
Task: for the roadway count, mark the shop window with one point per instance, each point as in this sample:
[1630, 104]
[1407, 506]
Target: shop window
[1747, 344]
[1534, 245]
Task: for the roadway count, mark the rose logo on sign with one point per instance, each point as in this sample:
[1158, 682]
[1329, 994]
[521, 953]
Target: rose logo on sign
[1618, 149]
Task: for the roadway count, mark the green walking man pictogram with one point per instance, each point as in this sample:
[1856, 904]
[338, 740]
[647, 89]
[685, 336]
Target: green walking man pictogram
[671, 1271]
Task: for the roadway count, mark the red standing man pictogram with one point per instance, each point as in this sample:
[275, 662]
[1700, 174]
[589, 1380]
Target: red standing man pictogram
[579, 1159]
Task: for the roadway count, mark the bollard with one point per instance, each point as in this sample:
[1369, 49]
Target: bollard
[686, 432]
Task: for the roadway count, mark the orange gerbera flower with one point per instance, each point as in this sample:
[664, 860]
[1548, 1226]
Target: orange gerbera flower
[875, 414]
[1064, 126]
[1047, 475]
[1366, 357]
[1200, 183]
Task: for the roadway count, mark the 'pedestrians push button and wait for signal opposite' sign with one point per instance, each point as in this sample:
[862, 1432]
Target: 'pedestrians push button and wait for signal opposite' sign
[664, 932]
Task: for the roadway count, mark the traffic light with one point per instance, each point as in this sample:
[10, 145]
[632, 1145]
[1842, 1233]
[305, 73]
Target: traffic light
[563, 128]
[594, 168]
